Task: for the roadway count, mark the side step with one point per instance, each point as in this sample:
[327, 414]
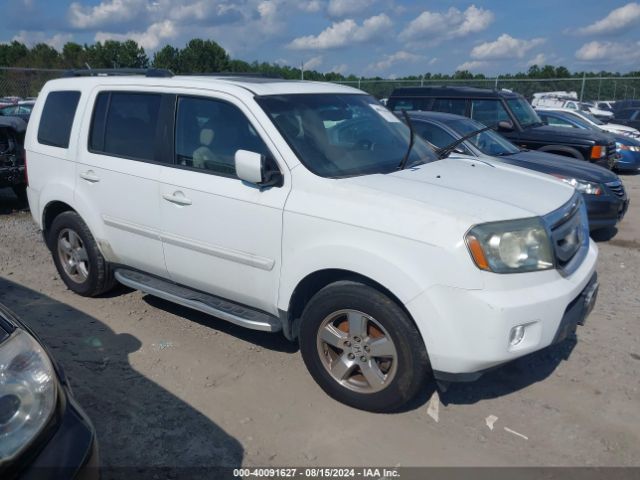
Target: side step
[210, 304]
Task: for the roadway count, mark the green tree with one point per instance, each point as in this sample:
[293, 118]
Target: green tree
[13, 54]
[202, 56]
[167, 57]
[43, 56]
[73, 55]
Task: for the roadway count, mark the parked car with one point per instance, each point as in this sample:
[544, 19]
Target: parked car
[629, 117]
[612, 128]
[307, 208]
[12, 168]
[43, 431]
[625, 104]
[20, 109]
[603, 192]
[514, 117]
[628, 148]
[568, 100]
[604, 104]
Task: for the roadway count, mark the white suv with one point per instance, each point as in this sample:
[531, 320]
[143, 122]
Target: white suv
[280, 206]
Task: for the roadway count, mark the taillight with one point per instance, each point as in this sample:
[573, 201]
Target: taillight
[26, 176]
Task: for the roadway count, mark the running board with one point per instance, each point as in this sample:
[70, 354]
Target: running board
[212, 305]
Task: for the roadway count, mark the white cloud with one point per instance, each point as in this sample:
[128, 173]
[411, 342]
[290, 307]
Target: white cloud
[106, 12]
[149, 39]
[450, 24]
[504, 47]
[540, 60]
[313, 63]
[344, 33]
[311, 7]
[342, 8]
[30, 38]
[399, 57]
[342, 68]
[619, 19]
[609, 52]
[473, 65]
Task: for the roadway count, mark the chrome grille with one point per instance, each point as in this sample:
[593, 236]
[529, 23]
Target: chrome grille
[612, 154]
[568, 229]
[617, 188]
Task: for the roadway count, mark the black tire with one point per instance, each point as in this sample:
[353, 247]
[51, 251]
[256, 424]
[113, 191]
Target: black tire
[20, 191]
[100, 277]
[412, 369]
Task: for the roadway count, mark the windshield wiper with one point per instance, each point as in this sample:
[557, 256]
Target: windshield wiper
[403, 163]
[445, 151]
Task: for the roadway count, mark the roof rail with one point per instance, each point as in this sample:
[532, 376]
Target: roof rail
[108, 72]
[235, 74]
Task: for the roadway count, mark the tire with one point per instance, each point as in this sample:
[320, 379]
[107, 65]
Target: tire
[20, 191]
[402, 366]
[92, 274]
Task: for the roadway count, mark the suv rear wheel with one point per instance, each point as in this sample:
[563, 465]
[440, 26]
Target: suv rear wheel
[77, 257]
[362, 348]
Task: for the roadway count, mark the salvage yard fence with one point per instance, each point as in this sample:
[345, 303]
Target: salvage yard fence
[27, 82]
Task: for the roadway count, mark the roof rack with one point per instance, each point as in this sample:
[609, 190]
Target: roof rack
[108, 72]
[235, 74]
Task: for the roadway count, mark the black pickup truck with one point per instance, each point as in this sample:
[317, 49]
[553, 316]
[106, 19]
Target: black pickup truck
[514, 118]
[12, 174]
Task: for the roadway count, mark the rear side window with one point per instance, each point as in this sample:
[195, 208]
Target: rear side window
[124, 124]
[456, 106]
[409, 104]
[57, 118]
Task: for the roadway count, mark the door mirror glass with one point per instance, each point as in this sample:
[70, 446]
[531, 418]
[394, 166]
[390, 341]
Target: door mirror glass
[505, 125]
[254, 168]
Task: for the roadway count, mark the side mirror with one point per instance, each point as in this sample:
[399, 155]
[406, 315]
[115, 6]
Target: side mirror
[505, 125]
[254, 168]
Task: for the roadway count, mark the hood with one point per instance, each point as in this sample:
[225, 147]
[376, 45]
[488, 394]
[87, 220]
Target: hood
[558, 165]
[551, 134]
[465, 187]
[610, 127]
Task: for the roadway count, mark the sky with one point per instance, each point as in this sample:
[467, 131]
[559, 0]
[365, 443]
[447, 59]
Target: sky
[387, 38]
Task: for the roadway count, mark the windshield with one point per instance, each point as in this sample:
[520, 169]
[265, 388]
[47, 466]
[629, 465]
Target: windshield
[525, 114]
[488, 142]
[342, 135]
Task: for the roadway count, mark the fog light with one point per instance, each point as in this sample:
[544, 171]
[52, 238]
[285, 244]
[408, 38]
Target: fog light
[516, 335]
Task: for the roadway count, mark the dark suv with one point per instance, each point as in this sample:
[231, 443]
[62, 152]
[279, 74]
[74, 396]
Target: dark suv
[12, 174]
[513, 117]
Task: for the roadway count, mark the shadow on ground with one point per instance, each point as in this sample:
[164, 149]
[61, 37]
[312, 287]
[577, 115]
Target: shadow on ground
[139, 424]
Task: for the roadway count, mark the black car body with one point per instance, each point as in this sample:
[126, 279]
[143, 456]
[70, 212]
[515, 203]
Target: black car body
[514, 118]
[627, 116]
[66, 446]
[602, 190]
[12, 165]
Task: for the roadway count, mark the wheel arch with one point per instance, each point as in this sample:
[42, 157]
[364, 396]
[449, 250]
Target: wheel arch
[315, 281]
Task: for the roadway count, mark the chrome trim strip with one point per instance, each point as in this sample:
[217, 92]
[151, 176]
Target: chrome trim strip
[131, 227]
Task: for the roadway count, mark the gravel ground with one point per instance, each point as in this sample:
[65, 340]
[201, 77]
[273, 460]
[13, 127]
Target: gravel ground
[168, 386]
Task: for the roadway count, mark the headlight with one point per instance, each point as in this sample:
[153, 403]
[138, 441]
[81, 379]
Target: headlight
[27, 392]
[512, 246]
[630, 148]
[588, 188]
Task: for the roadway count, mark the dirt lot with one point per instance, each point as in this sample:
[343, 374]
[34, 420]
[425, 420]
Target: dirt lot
[168, 386]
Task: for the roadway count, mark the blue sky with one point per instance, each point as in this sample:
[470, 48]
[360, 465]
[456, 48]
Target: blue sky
[366, 37]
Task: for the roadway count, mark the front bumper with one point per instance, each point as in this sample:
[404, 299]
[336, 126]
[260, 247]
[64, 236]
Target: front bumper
[467, 331]
[628, 161]
[605, 211]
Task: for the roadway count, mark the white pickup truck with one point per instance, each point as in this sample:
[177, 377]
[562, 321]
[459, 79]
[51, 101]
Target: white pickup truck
[310, 209]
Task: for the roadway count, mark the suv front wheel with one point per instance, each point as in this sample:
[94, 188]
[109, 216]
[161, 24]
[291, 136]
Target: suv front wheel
[77, 257]
[362, 348]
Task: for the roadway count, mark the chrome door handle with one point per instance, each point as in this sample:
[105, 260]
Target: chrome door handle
[178, 198]
[90, 176]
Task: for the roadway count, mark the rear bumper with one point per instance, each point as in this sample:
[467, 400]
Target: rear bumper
[468, 331]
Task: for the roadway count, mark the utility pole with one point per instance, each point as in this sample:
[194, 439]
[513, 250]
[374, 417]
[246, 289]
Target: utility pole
[614, 90]
[497, 77]
[584, 79]
[625, 92]
[599, 85]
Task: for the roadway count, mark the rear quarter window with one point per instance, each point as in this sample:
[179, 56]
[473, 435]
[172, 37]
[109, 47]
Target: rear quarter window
[57, 118]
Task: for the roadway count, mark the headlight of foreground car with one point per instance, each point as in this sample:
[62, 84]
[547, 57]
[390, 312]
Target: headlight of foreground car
[28, 390]
[513, 246]
[582, 186]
